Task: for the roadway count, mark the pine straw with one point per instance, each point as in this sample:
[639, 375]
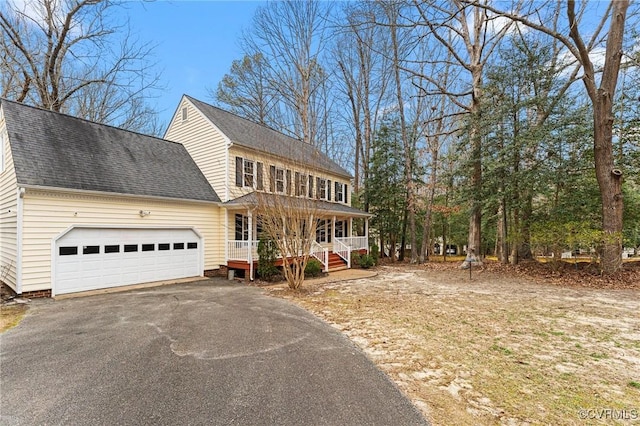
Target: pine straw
[501, 348]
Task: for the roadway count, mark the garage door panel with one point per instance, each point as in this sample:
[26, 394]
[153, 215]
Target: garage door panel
[93, 258]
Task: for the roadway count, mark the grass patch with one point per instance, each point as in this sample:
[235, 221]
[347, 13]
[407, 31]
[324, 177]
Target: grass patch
[634, 384]
[10, 316]
[599, 356]
[502, 350]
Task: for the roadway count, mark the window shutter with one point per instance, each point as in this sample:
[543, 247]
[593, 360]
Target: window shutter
[317, 187]
[260, 177]
[346, 192]
[239, 164]
[337, 189]
[288, 182]
[297, 183]
[272, 178]
[310, 186]
[329, 189]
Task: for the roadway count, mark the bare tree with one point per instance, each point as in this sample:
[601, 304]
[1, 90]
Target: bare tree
[364, 75]
[290, 223]
[246, 91]
[601, 95]
[291, 36]
[67, 55]
[470, 35]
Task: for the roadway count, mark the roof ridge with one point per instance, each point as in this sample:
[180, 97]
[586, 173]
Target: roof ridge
[86, 120]
[236, 127]
[248, 120]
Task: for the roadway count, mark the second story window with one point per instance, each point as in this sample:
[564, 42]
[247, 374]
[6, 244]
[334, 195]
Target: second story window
[248, 173]
[301, 184]
[321, 191]
[280, 180]
[339, 192]
[245, 172]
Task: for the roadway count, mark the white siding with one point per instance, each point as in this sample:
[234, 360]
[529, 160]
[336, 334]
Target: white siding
[8, 212]
[206, 146]
[47, 214]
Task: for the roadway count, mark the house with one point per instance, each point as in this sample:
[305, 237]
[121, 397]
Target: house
[243, 160]
[86, 206]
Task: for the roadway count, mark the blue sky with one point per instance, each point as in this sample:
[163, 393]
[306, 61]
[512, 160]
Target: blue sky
[196, 43]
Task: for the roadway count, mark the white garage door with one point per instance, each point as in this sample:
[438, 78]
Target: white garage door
[94, 258]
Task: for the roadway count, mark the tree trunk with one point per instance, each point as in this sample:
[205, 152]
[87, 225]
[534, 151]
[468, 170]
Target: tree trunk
[517, 240]
[475, 217]
[610, 183]
[502, 229]
[608, 176]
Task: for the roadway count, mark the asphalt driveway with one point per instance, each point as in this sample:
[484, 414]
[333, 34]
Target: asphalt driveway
[209, 352]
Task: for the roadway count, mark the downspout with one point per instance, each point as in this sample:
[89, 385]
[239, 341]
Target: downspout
[226, 198]
[250, 253]
[19, 220]
[226, 236]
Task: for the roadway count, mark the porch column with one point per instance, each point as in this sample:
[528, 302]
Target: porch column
[333, 229]
[366, 231]
[350, 232]
[250, 253]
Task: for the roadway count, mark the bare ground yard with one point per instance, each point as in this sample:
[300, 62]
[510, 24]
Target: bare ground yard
[498, 349]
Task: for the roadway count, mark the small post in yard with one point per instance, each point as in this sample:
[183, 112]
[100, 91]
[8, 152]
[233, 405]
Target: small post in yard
[468, 261]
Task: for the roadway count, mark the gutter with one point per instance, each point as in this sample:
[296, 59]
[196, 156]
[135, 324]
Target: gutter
[115, 194]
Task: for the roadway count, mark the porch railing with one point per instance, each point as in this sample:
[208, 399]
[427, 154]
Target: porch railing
[320, 253]
[354, 243]
[342, 250]
[239, 250]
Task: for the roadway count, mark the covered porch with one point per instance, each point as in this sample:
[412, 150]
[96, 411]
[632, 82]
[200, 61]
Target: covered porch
[336, 237]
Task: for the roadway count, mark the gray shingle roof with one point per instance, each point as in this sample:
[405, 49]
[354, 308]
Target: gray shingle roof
[251, 199]
[251, 135]
[59, 151]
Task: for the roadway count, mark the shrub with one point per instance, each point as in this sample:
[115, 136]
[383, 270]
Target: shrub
[355, 258]
[268, 253]
[367, 261]
[313, 268]
[374, 253]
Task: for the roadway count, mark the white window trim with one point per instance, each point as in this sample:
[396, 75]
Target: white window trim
[283, 180]
[245, 227]
[303, 186]
[321, 187]
[245, 162]
[321, 231]
[185, 114]
[340, 194]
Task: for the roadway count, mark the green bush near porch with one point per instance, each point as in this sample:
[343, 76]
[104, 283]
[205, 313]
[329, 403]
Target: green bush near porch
[267, 256]
[313, 268]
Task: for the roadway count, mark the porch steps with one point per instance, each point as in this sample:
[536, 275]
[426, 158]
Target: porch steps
[336, 263]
